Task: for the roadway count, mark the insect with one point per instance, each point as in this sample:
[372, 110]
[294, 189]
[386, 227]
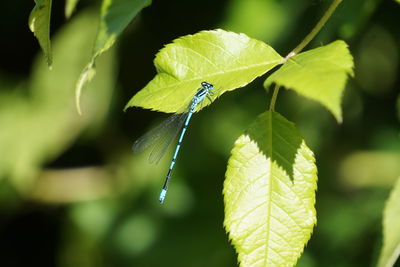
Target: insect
[163, 135]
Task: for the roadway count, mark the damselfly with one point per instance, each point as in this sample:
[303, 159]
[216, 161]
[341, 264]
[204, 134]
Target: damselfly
[161, 136]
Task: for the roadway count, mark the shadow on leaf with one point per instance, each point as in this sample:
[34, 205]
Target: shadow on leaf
[277, 138]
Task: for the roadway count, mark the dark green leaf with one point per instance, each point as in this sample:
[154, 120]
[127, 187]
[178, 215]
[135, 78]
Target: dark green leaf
[39, 23]
[115, 16]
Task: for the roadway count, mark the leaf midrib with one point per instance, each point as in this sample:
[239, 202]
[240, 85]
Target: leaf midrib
[231, 71]
[269, 141]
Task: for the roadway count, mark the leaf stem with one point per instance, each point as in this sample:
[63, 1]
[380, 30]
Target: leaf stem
[274, 96]
[305, 42]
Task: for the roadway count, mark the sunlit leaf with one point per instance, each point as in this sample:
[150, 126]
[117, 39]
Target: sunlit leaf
[391, 229]
[319, 74]
[39, 23]
[227, 60]
[70, 6]
[269, 193]
[115, 16]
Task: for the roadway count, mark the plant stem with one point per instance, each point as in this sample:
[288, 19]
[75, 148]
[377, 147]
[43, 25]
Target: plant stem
[317, 27]
[305, 42]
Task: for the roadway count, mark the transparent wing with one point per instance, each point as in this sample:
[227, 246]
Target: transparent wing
[164, 141]
[150, 137]
[160, 137]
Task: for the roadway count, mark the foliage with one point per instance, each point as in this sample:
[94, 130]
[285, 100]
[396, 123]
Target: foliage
[70, 184]
[266, 228]
[226, 59]
[115, 16]
[319, 74]
[50, 109]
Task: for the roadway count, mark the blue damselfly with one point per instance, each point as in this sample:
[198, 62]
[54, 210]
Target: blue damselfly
[163, 135]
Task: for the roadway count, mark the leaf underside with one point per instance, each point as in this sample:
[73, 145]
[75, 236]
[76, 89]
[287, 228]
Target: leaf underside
[225, 59]
[269, 193]
[391, 229]
[319, 74]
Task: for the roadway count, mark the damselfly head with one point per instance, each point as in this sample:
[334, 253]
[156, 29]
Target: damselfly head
[207, 85]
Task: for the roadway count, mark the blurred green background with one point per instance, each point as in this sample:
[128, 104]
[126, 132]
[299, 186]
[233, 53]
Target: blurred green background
[73, 194]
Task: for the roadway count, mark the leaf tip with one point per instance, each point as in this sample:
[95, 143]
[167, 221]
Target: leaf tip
[86, 75]
[49, 60]
[127, 106]
[336, 112]
[77, 100]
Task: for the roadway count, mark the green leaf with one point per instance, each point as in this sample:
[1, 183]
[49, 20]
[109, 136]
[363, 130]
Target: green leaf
[39, 24]
[227, 60]
[115, 16]
[391, 229]
[319, 74]
[70, 6]
[269, 193]
[40, 121]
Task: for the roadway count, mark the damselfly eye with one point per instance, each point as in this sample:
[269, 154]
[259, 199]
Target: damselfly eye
[207, 85]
